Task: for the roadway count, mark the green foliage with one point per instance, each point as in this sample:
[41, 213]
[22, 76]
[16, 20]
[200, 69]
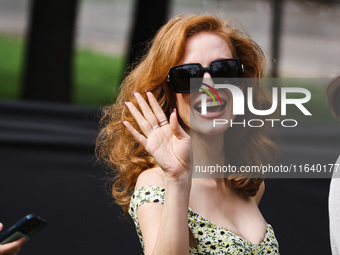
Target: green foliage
[11, 55]
[96, 76]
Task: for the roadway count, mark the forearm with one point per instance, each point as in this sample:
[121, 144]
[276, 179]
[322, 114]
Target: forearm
[173, 233]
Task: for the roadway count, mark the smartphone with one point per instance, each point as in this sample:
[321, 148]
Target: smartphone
[26, 227]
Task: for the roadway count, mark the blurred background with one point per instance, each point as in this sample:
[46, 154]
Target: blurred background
[305, 42]
[60, 61]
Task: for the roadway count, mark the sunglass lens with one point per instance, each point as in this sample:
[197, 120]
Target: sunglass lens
[182, 75]
[225, 69]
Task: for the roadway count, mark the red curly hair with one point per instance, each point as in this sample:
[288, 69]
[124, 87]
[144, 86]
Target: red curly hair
[126, 158]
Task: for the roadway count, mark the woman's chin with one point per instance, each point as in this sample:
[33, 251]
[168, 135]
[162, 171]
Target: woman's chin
[205, 128]
[212, 123]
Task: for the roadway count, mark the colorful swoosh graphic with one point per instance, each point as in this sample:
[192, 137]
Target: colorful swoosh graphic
[210, 93]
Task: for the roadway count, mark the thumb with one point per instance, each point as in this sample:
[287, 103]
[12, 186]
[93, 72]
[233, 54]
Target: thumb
[1, 226]
[175, 126]
[12, 247]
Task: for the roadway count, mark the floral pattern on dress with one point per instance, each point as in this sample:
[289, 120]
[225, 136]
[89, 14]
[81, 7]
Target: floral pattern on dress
[210, 238]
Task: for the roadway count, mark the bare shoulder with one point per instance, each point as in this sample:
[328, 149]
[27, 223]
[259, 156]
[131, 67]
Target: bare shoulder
[259, 193]
[152, 176]
[149, 214]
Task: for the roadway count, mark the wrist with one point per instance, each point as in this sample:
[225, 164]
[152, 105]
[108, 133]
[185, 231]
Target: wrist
[181, 182]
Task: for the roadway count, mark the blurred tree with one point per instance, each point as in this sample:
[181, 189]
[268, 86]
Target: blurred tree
[47, 72]
[149, 16]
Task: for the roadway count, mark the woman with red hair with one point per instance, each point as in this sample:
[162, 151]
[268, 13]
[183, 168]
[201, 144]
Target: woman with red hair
[161, 115]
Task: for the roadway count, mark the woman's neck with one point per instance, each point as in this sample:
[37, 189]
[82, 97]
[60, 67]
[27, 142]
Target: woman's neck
[207, 155]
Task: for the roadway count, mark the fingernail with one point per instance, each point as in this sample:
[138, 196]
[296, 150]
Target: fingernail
[146, 91]
[133, 93]
[123, 123]
[174, 110]
[125, 103]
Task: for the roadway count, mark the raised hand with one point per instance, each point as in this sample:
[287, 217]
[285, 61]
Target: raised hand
[166, 141]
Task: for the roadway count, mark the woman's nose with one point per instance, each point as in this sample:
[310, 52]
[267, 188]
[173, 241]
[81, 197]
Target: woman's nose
[206, 75]
[207, 79]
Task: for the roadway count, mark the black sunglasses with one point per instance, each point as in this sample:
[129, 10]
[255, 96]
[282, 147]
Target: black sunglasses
[179, 76]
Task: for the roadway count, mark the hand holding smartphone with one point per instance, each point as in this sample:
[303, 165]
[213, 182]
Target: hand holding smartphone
[12, 248]
[26, 227]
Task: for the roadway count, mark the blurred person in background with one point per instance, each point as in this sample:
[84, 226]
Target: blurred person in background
[333, 98]
[150, 153]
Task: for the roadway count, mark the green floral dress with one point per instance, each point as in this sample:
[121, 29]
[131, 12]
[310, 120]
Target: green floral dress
[210, 238]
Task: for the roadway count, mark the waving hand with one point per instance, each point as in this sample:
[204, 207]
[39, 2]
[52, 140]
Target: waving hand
[166, 141]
